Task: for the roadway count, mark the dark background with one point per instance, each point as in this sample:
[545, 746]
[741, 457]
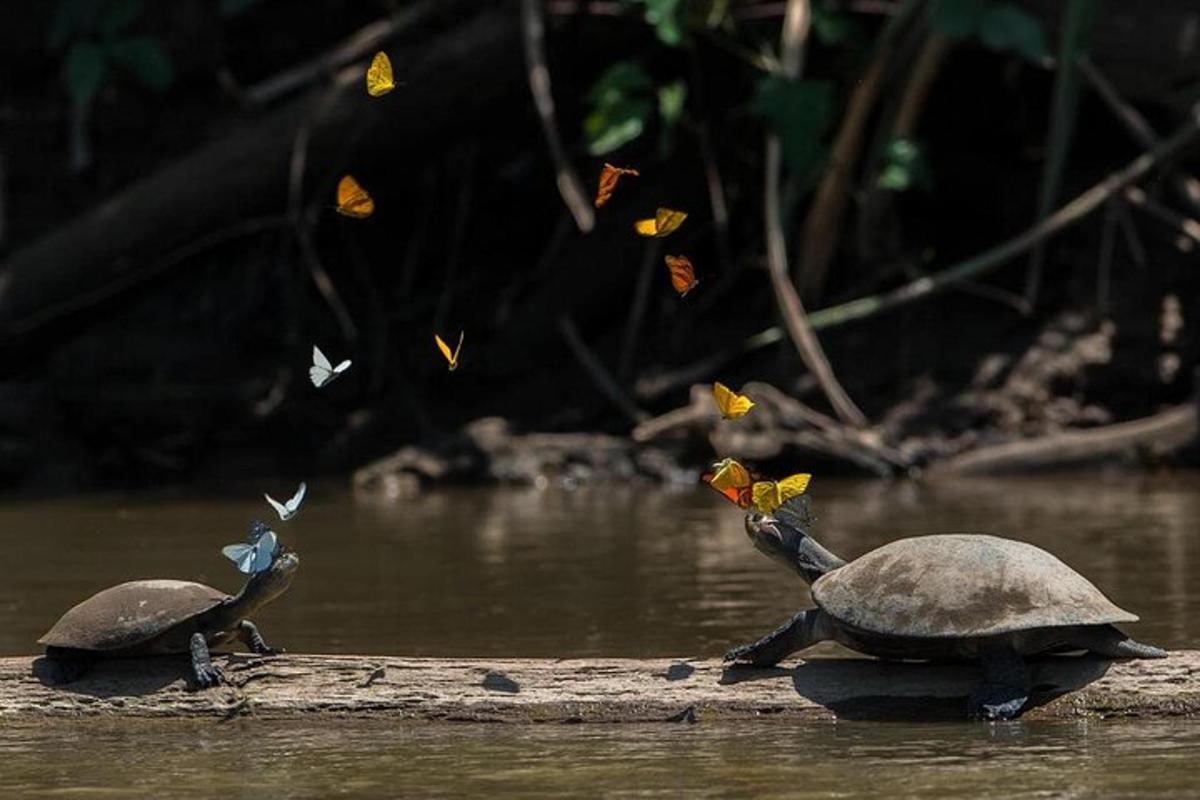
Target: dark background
[169, 252]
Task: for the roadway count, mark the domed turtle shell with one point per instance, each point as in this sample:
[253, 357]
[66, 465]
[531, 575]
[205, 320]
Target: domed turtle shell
[131, 613]
[961, 585]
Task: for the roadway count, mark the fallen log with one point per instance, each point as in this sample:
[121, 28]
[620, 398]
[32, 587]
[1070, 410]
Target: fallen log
[1149, 437]
[589, 690]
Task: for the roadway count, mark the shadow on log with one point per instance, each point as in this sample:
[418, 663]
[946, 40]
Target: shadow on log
[592, 690]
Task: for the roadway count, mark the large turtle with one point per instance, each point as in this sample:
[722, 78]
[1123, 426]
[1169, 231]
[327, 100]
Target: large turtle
[951, 596]
[164, 616]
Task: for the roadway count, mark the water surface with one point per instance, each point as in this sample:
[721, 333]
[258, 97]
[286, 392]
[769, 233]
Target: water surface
[613, 571]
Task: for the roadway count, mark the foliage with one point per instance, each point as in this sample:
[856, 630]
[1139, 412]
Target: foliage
[96, 35]
[800, 113]
[904, 166]
[1000, 26]
[623, 100]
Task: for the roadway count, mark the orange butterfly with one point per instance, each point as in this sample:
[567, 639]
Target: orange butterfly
[451, 357]
[353, 200]
[683, 274]
[608, 181]
[732, 480]
[665, 222]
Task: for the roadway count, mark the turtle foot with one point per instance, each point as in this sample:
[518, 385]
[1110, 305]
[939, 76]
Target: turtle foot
[207, 676]
[992, 703]
[751, 653]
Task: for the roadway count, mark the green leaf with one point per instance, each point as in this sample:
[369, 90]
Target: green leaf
[83, 71]
[145, 59]
[671, 97]
[957, 18]
[664, 16]
[800, 112]
[1005, 27]
[117, 15]
[617, 82]
[904, 166]
[831, 27]
[615, 126]
[232, 8]
[71, 19]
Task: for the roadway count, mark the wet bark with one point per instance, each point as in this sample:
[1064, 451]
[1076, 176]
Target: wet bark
[589, 690]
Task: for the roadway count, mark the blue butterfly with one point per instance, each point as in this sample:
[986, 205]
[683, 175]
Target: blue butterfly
[259, 554]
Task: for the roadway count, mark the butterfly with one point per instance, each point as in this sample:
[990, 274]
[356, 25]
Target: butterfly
[322, 372]
[731, 404]
[380, 80]
[608, 182]
[258, 555]
[452, 358]
[292, 507]
[665, 222]
[353, 200]
[683, 274]
[770, 495]
[732, 480]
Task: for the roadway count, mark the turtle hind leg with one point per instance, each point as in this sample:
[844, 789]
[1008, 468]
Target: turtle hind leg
[248, 633]
[205, 673]
[805, 629]
[63, 665]
[1107, 640]
[1004, 689]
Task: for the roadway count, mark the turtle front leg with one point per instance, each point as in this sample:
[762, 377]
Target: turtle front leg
[1004, 690]
[248, 634]
[207, 675]
[801, 631]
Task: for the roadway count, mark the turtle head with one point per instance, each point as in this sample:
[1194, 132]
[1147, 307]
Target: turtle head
[265, 586]
[773, 539]
[786, 538]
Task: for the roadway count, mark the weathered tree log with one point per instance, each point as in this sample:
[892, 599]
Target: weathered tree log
[1152, 436]
[590, 690]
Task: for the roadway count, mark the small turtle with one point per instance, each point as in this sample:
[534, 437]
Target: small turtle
[951, 596]
[164, 616]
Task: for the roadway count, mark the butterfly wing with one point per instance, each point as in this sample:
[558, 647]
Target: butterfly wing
[279, 507]
[293, 505]
[353, 200]
[609, 176]
[646, 227]
[765, 496]
[729, 473]
[342, 367]
[258, 529]
[793, 486]
[451, 357]
[683, 274]
[320, 372]
[667, 221]
[240, 554]
[264, 553]
[731, 404]
[380, 79]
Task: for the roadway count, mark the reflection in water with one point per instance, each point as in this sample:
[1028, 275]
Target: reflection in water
[618, 571]
[764, 759]
[615, 571]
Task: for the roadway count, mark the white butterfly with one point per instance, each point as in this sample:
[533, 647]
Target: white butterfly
[292, 507]
[322, 372]
[255, 557]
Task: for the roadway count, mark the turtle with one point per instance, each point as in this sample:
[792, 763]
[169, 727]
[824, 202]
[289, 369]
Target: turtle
[152, 617]
[954, 596]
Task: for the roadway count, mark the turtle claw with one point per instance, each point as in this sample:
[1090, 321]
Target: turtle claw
[208, 676]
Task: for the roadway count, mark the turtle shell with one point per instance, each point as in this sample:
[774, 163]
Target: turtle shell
[131, 613]
[960, 585]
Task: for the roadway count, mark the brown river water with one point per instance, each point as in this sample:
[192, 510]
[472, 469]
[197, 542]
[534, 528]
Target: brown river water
[614, 571]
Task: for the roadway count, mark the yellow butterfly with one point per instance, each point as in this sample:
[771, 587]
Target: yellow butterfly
[452, 358]
[353, 200]
[731, 404]
[666, 221]
[732, 480]
[379, 76]
[770, 495]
